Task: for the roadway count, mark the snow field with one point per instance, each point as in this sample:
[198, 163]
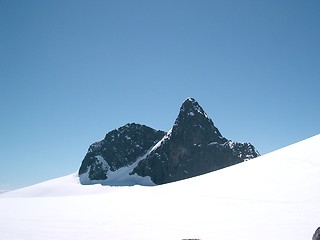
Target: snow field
[274, 196]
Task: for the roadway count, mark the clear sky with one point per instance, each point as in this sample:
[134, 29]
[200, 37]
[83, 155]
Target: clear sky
[70, 71]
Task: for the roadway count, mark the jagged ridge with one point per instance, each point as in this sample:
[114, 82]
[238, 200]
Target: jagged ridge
[192, 147]
[120, 148]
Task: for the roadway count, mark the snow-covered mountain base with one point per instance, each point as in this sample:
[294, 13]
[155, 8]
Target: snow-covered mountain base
[275, 196]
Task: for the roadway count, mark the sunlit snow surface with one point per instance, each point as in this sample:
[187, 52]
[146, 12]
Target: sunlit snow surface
[275, 196]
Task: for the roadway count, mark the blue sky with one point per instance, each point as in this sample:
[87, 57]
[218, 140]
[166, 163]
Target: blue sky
[70, 71]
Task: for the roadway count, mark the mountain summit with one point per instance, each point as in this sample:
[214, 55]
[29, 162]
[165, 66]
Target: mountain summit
[193, 122]
[137, 154]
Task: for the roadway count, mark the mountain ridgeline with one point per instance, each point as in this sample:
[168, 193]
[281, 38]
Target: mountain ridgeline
[137, 154]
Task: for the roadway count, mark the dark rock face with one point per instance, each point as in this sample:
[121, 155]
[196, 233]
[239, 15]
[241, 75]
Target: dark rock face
[192, 147]
[120, 148]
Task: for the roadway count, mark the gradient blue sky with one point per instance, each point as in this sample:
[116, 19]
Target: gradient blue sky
[70, 71]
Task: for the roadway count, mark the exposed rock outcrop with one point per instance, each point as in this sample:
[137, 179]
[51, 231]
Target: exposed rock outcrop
[192, 147]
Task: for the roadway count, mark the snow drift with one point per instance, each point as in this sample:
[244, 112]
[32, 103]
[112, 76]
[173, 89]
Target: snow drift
[274, 196]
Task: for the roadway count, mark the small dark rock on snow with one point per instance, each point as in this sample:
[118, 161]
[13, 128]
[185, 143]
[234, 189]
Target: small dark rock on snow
[316, 235]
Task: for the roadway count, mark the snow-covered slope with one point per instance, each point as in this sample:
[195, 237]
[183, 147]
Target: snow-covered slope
[63, 186]
[275, 196]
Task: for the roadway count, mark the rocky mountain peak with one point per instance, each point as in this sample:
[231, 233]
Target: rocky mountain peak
[193, 121]
[191, 108]
[120, 148]
[191, 105]
[141, 155]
